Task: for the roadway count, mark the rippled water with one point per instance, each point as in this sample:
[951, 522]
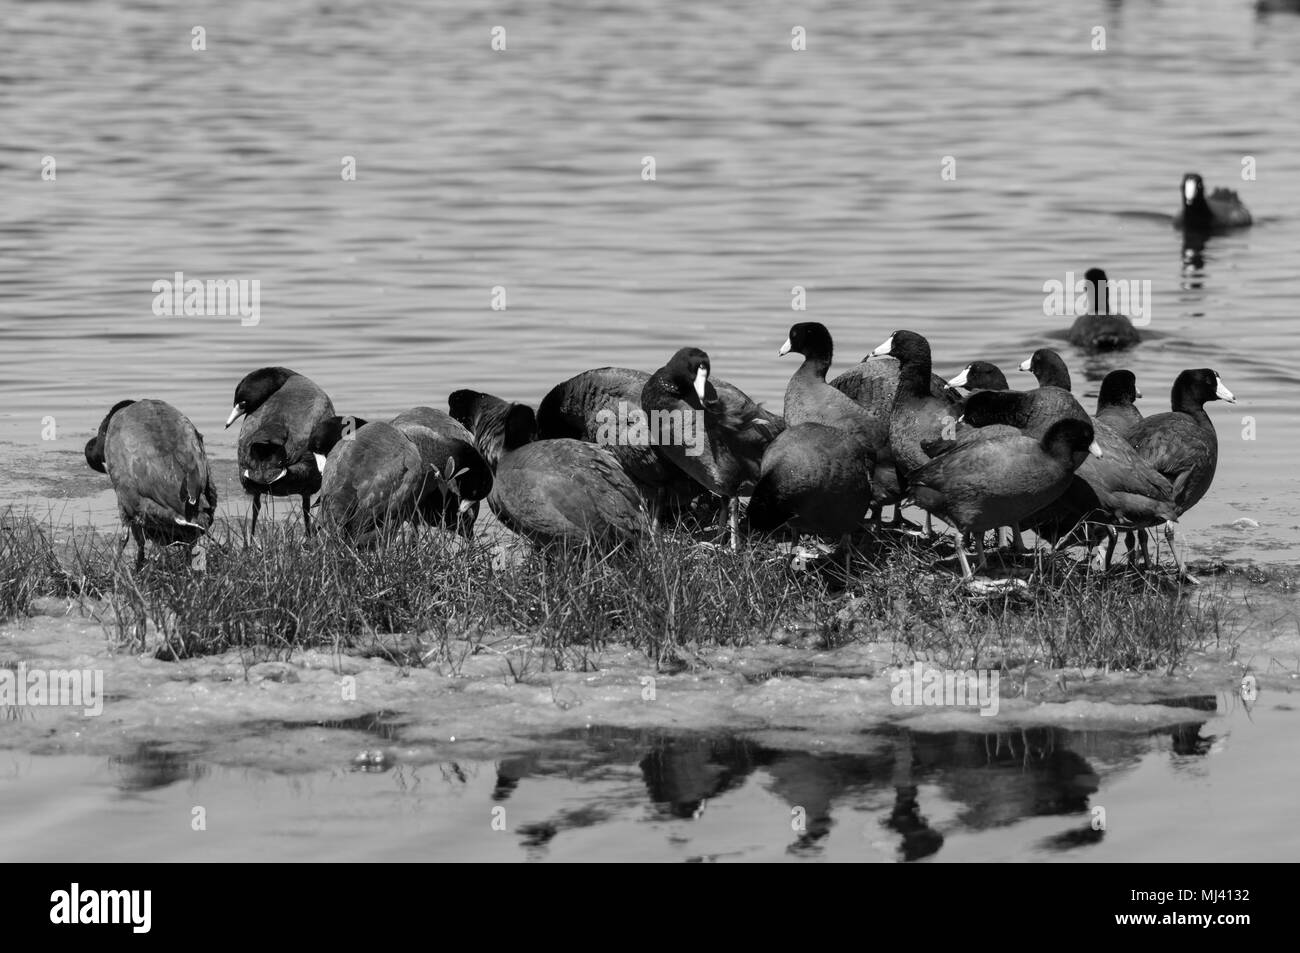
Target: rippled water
[523, 168]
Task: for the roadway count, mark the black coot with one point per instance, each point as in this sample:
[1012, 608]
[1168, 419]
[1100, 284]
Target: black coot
[1102, 329]
[561, 489]
[1182, 444]
[999, 476]
[371, 480]
[726, 432]
[603, 406]
[280, 408]
[155, 459]
[456, 475]
[1115, 402]
[1219, 212]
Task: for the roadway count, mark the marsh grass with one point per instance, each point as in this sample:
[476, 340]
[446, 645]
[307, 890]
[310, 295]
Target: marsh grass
[420, 598]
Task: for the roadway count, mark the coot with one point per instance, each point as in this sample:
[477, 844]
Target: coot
[155, 459]
[280, 408]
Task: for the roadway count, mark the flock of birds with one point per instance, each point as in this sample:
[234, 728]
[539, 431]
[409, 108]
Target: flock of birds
[888, 431]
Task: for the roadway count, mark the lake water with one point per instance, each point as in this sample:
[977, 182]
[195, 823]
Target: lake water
[522, 169]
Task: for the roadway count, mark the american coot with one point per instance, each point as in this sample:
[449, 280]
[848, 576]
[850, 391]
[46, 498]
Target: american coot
[999, 476]
[280, 408]
[1115, 402]
[1182, 444]
[1102, 329]
[920, 424]
[561, 489]
[816, 476]
[1117, 491]
[980, 375]
[155, 459]
[1031, 411]
[815, 479]
[873, 383]
[372, 477]
[728, 458]
[1222, 211]
[456, 475]
[588, 406]
[810, 400]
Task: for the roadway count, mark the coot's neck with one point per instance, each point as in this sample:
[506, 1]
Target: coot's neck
[1185, 403]
[1101, 297]
[1197, 212]
[815, 366]
[914, 377]
[1054, 375]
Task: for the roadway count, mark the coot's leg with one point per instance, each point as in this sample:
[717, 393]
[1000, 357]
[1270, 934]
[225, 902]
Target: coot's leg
[138, 532]
[1111, 541]
[966, 573]
[306, 513]
[1182, 567]
[257, 508]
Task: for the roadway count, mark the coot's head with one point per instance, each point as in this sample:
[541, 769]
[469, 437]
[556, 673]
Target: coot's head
[1118, 387]
[689, 371]
[1193, 190]
[327, 434]
[1071, 441]
[256, 388]
[471, 477]
[95, 445]
[1046, 365]
[1097, 288]
[810, 339]
[1198, 387]
[980, 375]
[907, 346]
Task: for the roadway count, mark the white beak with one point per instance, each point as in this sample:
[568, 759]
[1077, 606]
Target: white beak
[1137, 393]
[1222, 392]
[785, 349]
[1025, 364]
[464, 506]
[960, 379]
[701, 378]
[884, 348]
[1094, 449]
[1189, 190]
[235, 413]
[320, 463]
